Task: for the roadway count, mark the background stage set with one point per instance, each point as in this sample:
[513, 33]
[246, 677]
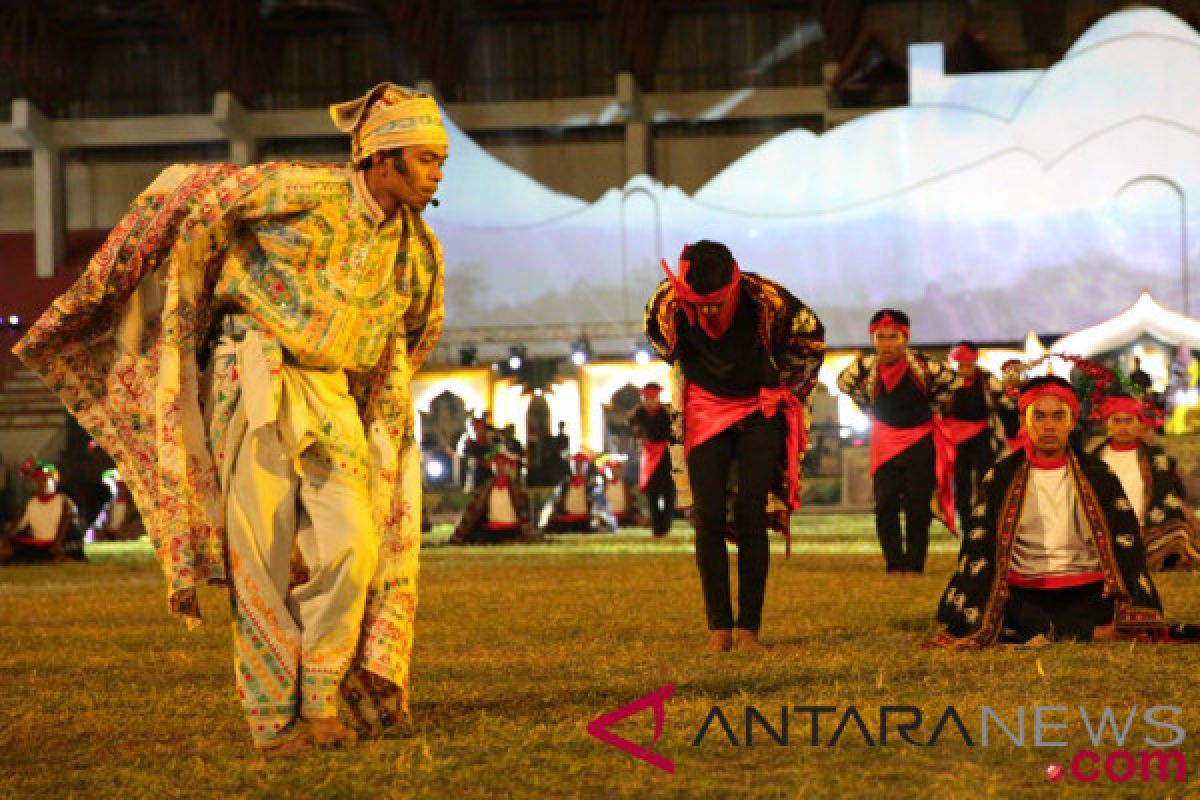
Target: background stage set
[1022, 175]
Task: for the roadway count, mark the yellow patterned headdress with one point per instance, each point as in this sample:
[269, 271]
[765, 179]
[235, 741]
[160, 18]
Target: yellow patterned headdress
[388, 117]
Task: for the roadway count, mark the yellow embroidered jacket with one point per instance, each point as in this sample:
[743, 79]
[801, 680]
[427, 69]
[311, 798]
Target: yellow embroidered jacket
[296, 247]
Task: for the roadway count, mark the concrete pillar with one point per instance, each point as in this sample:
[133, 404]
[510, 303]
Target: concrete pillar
[49, 185]
[639, 131]
[235, 122]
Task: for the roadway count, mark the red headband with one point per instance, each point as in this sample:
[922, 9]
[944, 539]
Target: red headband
[1064, 393]
[885, 322]
[962, 354]
[689, 298]
[651, 391]
[1122, 405]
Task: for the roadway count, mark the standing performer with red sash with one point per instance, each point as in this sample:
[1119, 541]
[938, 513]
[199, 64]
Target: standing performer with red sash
[652, 424]
[748, 353]
[911, 452]
[974, 425]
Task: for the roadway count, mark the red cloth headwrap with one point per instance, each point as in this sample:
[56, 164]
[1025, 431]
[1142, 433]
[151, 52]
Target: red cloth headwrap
[651, 391]
[885, 322]
[1064, 393]
[689, 298]
[1122, 405]
[962, 354]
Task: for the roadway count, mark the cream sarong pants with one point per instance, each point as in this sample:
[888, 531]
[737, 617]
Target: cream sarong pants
[291, 455]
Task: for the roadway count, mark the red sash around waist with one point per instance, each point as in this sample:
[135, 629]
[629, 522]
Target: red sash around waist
[1054, 581]
[961, 430]
[888, 442]
[707, 414]
[652, 453]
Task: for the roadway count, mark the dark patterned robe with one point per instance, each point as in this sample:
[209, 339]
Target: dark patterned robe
[972, 607]
[1169, 530]
[471, 525]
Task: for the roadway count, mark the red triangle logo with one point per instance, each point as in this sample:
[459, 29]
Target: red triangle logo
[656, 700]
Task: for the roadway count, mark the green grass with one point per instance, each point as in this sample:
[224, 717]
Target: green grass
[519, 647]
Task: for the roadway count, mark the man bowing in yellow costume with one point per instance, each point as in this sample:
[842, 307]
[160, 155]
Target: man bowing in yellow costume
[243, 346]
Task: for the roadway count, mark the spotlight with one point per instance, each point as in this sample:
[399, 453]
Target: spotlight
[516, 357]
[581, 351]
[538, 392]
[435, 469]
[468, 356]
[14, 321]
[641, 355]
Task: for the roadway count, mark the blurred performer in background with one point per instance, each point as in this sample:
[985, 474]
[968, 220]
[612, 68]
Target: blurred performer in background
[615, 502]
[1146, 473]
[473, 449]
[974, 424]
[242, 346]
[569, 509]
[746, 354]
[499, 510]
[119, 520]
[905, 392]
[651, 422]
[48, 531]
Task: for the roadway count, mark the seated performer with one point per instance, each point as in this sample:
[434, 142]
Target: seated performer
[745, 353]
[569, 509]
[616, 504]
[1146, 475]
[1054, 548]
[49, 530]
[119, 520]
[904, 391]
[652, 424]
[499, 510]
[974, 424]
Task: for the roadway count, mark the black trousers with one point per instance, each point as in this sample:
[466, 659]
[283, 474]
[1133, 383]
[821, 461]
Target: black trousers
[905, 483]
[1059, 614]
[973, 458]
[754, 448]
[660, 495]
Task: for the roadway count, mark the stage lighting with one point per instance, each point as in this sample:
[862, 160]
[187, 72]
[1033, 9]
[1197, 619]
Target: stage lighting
[641, 355]
[14, 321]
[516, 357]
[538, 392]
[435, 469]
[581, 351]
[468, 356]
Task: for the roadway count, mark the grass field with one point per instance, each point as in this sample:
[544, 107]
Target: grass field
[518, 648]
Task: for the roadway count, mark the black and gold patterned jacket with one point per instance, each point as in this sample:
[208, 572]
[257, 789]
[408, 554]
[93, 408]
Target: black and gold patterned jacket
[790, 331]
[795, 342]
[972, 607]
[1167, 530]
[862, 382]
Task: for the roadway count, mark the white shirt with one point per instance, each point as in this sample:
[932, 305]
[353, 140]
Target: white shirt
[576, 500]
[1129, 470]
[1053, 536]
[614, 492]
[500, 507]
[43, 518]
